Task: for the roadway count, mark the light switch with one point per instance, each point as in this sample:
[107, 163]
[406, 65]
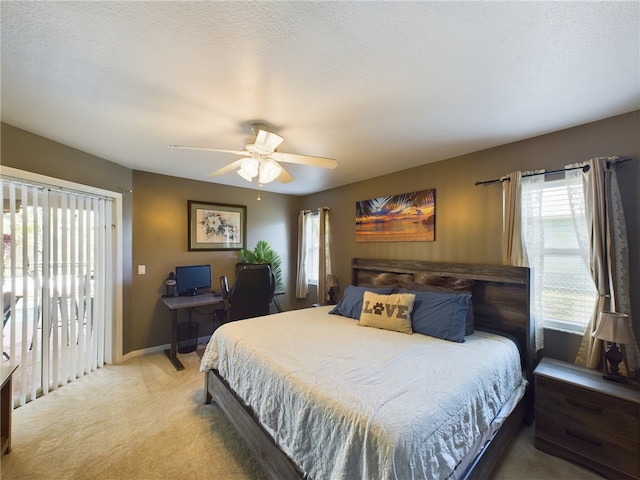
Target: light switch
[142, 269]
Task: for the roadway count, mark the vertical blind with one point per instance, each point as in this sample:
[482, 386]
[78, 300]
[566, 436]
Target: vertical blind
[57, 285]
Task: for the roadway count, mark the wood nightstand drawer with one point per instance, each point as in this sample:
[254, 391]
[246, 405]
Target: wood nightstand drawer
[586, 406]
[586, 419]
[592, 443]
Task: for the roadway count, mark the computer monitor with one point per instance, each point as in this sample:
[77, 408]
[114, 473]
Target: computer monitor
[193, 279]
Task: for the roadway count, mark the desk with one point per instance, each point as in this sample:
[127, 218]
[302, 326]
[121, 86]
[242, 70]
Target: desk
[176, 303]
[6, 375]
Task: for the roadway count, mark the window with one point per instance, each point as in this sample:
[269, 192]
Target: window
[555, 238]
[314, 253]
[313, 249]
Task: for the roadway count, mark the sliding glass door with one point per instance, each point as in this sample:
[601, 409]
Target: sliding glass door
[58, 284]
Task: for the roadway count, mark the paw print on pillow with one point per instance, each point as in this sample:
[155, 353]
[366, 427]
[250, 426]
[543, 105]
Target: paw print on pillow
[378, 308]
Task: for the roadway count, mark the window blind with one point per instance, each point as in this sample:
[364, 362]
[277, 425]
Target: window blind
[568, 294]
[57, 284]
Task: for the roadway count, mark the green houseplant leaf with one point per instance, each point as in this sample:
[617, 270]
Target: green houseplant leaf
[263, 253]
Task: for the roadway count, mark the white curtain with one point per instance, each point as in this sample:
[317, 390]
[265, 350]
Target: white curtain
[609, 260]
[532, 184]
[523, 236]
[57, 283]
[304, 237]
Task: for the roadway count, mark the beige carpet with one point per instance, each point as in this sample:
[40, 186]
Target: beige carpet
[144, 420]
[524, 462]
[139, 420]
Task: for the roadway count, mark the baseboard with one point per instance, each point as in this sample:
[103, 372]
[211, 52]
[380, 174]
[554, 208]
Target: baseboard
[160, 348]
[144, 351]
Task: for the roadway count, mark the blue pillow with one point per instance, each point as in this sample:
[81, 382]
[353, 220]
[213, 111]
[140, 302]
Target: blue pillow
[421, 287]
[440, 315]
[350, 305]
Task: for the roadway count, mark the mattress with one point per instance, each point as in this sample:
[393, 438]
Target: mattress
[346, 402]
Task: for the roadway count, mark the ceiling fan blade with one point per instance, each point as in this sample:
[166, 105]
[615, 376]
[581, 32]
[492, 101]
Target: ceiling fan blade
[284, 177]
[304, 160]
[266, 142]
[226, 169]
[235, 152]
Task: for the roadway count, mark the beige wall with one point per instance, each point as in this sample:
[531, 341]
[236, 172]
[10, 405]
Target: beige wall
[160, 243]
[468, 217]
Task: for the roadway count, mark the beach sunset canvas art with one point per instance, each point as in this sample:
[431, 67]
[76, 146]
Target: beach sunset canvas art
[408, 217]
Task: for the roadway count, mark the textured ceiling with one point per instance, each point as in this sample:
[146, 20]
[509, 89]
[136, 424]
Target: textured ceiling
[379, 86]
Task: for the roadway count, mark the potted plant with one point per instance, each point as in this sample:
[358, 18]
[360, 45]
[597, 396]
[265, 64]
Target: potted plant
[263, 253]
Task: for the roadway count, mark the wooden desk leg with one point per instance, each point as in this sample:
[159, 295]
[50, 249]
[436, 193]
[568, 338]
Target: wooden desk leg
[172, 353]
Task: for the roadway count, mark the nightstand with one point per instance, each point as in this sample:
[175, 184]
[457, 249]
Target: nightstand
[586, 419]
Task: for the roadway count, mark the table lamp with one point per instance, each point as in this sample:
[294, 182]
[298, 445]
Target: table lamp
[613, 327]
[332, 283]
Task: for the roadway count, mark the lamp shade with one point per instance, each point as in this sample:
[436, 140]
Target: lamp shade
[613, 327]
[244, 175]
[248, 168]
[332, 281]
[269, 171]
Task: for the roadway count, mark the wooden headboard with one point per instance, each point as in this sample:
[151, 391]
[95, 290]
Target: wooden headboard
[500, 293]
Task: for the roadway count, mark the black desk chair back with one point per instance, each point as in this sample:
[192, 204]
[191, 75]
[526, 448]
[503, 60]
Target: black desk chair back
[251, 294]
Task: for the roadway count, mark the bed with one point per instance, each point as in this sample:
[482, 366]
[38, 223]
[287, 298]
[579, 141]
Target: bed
[315, 395]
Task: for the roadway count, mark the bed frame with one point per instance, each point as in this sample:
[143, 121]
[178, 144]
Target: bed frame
[500, 302]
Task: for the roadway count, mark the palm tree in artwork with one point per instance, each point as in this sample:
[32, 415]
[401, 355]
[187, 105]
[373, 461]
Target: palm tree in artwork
[381, 208]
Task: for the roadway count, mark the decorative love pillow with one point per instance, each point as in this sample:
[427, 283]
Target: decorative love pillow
[389, 312]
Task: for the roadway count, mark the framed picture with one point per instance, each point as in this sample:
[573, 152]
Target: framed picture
[216, 226]
[409, 217]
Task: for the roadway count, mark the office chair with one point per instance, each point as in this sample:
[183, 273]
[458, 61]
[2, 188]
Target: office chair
[251, 293]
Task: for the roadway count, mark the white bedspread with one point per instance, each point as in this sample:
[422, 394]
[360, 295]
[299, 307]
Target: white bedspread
[351, 402]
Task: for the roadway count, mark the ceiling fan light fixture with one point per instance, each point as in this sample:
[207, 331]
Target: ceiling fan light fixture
[248, 169]
[269, 171]
[261, 160]
[245, 176]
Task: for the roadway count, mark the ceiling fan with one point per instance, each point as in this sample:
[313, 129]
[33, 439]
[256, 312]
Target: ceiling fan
[261, 159]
